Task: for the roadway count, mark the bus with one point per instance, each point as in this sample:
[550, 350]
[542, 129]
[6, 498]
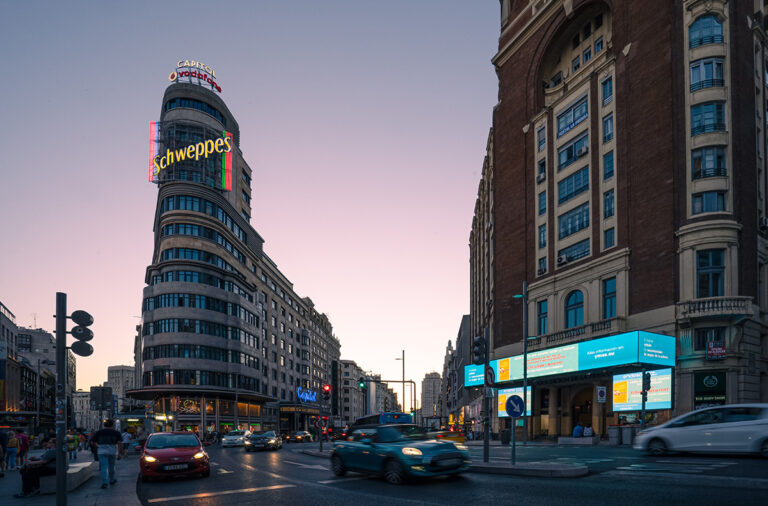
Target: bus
[383, 418]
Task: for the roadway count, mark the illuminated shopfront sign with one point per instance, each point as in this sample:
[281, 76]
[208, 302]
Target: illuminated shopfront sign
[195, 71]
[305, 395]
[621, 349]
[504, 394]
[159, 161]
[627, 391]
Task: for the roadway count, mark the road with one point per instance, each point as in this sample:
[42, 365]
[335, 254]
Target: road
[288, 476]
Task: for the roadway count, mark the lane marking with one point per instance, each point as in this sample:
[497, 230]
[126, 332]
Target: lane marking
[249, 467]
[214, 494]
[340, 480]
[307, 466]
[224, 471]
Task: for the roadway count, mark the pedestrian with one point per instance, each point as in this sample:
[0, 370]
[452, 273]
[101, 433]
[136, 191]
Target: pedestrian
[72, 445]
[81, 441]
[578, 431]
[13, 449]
[108, 445]
[126, 441]
[588, 432]
[23, 446]
[34, 469]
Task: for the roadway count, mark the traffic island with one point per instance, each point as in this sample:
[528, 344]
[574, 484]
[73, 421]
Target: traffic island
[541, 469]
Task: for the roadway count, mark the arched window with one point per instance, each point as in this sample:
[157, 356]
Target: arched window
[705, 30]
[574, 309]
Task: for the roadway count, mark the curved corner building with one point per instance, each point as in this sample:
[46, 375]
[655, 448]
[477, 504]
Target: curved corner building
[225, 342]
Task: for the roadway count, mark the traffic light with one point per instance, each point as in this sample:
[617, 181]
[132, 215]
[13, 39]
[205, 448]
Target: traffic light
[646, 381]
[361, 383]
[326, 392]
[478, 350]
[82, 333]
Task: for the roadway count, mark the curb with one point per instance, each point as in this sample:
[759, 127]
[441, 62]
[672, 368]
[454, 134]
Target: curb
[543, 471]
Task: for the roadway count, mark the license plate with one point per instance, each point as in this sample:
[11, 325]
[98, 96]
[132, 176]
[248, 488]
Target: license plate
[175, 467]
[448, 462]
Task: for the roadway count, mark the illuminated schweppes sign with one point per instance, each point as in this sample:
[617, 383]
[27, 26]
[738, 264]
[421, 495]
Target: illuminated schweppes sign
[161, 161]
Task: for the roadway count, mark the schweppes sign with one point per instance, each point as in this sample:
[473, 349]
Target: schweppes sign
[210, 147]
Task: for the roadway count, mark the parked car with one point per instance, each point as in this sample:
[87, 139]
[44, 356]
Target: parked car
[233, 438]
[398, 452]
[300, 436]
[735, 428]
[173, 454]
[266, 440]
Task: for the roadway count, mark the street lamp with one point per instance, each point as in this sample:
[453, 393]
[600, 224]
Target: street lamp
[524, 296]
[403, 359]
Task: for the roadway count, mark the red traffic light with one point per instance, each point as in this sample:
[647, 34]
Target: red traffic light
[324, 417]
[326, 388]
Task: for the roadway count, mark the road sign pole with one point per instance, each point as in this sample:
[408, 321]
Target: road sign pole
[61, 399]
[515, 407]
[514, 456]
[486, 405]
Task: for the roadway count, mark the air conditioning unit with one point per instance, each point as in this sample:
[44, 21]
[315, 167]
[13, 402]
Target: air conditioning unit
[541, 177]
[763, 222]
[562, 259]
[582, 151]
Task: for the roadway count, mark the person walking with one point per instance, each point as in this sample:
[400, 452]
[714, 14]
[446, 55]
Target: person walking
[109, 447]
[10, 455]
[72, 445]
[126, 441]
[23, 446]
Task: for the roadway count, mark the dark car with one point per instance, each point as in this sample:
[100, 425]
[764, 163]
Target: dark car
[398, 452]
[266, 440]
[300, 436]
[173, 454]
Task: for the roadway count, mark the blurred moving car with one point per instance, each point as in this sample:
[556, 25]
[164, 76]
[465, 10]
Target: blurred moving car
[397, 452]
[447, 435]
[173, 454]
[735, 428]
[233, 438]
[300, 436]
[266, 440]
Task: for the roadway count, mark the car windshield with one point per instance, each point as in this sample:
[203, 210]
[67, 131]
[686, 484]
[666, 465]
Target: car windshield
[401, 433]
[267, 433]
[236, 433]
[172, 441]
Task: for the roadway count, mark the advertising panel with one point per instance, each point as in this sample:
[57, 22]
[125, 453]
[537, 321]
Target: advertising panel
[627, 390]
[473, 375]
[501, 401]
[607, 352]
[656, 349]
[708, 389]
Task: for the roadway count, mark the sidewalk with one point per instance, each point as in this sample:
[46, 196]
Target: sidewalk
[89, 493]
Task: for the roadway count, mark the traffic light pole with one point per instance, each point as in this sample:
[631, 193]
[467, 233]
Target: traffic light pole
[486, 404]
[61, 399]
[645, 397]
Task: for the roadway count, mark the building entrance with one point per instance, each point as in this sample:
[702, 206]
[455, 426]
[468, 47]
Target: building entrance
[582, 407]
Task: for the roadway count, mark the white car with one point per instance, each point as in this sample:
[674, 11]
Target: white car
[733, 428]
[234, 438]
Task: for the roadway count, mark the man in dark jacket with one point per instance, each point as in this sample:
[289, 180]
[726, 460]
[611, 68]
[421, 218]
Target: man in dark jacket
[109, 447]
[33, 470]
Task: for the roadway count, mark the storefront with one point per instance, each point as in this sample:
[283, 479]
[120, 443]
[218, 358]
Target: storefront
[297, 416]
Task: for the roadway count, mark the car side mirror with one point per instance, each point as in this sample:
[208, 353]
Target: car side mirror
[366, 441]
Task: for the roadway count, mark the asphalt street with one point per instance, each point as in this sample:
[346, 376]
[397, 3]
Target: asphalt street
[288, 476]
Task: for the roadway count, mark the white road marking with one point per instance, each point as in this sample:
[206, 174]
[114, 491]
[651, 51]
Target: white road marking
[307, 466]
[215, 463]
[249, 467]
[340, 480]
[224, 471]
[222, 492]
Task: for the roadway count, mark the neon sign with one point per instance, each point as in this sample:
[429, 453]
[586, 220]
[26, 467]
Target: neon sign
[207, 77]
[306, 395]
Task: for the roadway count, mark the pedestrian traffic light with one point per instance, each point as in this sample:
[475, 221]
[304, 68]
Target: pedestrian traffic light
[82, 333]
[326, 392]
[478, 350]
[646, 381]
[361, 383]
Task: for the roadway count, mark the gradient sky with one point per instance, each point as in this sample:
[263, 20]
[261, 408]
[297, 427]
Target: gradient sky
[365, 123]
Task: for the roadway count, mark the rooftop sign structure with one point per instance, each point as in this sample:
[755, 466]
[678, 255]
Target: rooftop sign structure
[194, 72]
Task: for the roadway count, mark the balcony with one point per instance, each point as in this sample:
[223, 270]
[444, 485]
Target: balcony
[714, 307]
[576, 334]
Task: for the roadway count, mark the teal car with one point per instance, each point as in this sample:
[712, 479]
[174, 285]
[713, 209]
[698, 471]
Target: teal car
[397, 452]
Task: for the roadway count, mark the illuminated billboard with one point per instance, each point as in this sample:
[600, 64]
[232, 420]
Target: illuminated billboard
[627, 390]
[501, 400]
[473, 375]
[621, 349]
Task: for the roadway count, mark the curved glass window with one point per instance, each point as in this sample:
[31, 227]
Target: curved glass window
[196, 254]
[199, 352]
[574, 309]
[189, 203]
[707, 73]
[200, 302]
[205, 233]
[175, 325]
[708, 162]
[198, 105]
[707, 117]
[705, 30]
[204, 378]
[203, 278]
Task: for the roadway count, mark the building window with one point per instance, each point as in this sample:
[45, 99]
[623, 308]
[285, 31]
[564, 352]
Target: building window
[587, 30]
[576, 63]
[710, 270]
[572, 116]
[246, 197]
[573, 221]
[706, 73]
[542, 265]
[573, 185]
[598, 45]
[572, 151]
[542, 312]
[607, 87]
[574, 252]
[708, 162]
[574, 309]
[587, 55]
[576, 40]
[542, 170]
[598, 21]
[541, 137]
[542, 203]
[608, 128]
[608, 204]
[609, 238]
[608, 165]
[542, 236]
[707, 335]
[707, 117]
[705, 30]
[708, 202]
[609, 298]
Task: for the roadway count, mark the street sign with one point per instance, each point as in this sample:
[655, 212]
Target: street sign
[515, 406]
[317, 424]
[490, 376]
[601, 395]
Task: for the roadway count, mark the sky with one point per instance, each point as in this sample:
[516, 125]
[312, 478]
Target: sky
[364, 122]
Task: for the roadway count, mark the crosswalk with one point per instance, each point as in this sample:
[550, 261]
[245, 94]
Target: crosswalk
[690, 466]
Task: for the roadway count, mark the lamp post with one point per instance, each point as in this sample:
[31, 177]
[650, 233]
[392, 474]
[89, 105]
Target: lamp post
[524, 296]
[403, 359]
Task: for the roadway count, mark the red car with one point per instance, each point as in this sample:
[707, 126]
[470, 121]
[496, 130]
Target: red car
[173, 454]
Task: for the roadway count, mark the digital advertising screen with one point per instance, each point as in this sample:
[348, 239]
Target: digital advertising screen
[657, 349]
[627, 390]
[501, 400]
[473, 375]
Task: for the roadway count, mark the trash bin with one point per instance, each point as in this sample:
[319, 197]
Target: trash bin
[627, 434]
[614, 435]
[506, 437]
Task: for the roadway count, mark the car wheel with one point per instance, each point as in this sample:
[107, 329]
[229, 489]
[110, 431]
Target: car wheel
[394, 473]
[657, 447]
[337, 466]
[764, 449]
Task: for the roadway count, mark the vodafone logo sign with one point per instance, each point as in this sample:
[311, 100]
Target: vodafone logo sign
[204, 74]
[174, 75]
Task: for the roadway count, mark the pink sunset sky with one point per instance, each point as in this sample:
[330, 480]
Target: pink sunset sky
[365, 123]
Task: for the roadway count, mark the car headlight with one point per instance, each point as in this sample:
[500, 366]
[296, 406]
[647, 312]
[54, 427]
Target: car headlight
[199, 455]
[411, 451]
[247, 442]
[461, 447]
[272, 441]
[149, 458]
